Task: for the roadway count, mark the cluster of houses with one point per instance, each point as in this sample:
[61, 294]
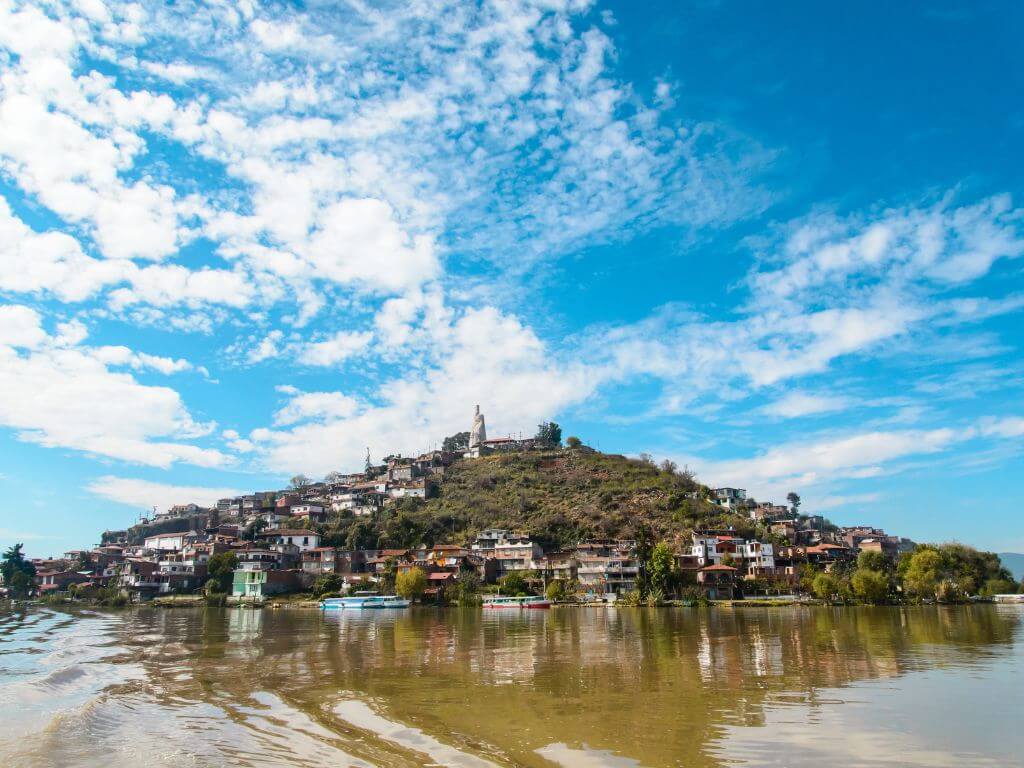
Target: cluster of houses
[282, 559]
[277, 548]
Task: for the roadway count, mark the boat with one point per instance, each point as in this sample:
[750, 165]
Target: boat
[363, 600]
[519, 603]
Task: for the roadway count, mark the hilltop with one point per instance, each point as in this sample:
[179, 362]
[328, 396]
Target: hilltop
[558, 497]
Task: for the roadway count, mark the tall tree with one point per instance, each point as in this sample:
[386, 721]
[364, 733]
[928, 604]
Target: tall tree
[659, 567]
[794, 501]
[299, 481]
[456, 443]
[549, 433]
[17, 571]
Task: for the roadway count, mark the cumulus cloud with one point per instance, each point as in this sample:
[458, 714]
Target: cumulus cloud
[60, 394]
[145, 494]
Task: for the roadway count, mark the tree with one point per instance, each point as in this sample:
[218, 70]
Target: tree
[557, 591]
[999, 587]
[17, 572]
[659, 567]
[333, 477]
[922, 574]
[794, 501]
[221, 569]
[669, 467]
[549, 433]
[573, 442]
[869, 585]
[825, 586]
[456, 443]
[300, 481]
[514, 584]
[875, 561]
[253, 530]
[411, 584]
[328, 583]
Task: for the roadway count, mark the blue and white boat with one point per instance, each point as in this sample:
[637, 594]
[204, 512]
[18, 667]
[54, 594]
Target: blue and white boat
[363, 600]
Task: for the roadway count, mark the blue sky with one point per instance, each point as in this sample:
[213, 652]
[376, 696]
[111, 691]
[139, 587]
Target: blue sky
[778, 242]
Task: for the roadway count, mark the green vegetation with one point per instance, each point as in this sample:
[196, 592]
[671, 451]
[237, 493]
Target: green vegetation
[558, 497]
[220, 570]
[328, 585]
[411, 584]
[549, 433]
[514, 585]
[17, 571]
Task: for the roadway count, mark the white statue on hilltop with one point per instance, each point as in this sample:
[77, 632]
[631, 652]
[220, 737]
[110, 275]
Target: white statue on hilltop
[479, 432]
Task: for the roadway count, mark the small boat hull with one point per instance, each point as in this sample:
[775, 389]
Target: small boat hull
[517, 604]
[364, 603]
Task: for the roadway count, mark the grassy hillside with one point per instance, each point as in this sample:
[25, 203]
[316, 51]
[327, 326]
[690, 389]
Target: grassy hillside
[559, 497]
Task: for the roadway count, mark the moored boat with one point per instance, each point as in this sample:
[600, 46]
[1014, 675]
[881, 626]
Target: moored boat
[520, 603]
[363, 601]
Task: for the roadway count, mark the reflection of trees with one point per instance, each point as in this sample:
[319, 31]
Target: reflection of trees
[652, 684]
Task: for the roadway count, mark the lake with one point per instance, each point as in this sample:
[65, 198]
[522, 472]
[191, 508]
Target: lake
[928, 686]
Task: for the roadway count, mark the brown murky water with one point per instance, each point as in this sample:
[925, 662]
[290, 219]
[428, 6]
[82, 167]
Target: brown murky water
[569, 687]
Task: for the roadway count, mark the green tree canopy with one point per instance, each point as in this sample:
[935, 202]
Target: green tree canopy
[514, 584]
[550, 433]
[573, 442]
[411, 583]
[825, 586]
[659, 567]
[456, 443]
[869, 585]
[221, 568]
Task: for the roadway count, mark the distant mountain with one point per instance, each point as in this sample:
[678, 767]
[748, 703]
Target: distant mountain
[1015, 562]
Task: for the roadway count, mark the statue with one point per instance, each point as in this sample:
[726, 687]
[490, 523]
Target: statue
[479, 432]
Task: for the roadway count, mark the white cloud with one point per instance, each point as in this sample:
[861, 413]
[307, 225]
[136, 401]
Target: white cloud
[336, 349]
[58, 394]
[144, 494]
[484, 357]
[796, 404]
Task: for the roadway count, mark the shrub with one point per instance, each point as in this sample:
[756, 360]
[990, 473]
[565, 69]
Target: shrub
[411, 584]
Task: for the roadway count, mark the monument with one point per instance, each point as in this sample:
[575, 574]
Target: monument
[478, 434]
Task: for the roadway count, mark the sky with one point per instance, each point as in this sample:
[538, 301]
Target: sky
[779, 243]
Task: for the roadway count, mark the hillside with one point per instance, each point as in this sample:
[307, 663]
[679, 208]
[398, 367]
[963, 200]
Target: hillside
[558, 497]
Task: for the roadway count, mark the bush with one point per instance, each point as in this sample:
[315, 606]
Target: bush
[870, 586]
[411, 584]
[328, 582]
[514, 585]
[557, 591]
[825, 586]
[573, 442]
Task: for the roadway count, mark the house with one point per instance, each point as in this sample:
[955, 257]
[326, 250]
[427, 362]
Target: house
[754, 558]
[412, 489]
[166, 542]
[729, 497]
[718, 581]
[58, 581]
[303, 538]
[768, 512]
[260, 583]
[315, 513]
[516, 552]
[607, 567]
[558, 565]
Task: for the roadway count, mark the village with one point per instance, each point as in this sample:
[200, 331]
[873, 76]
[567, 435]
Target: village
[253, 547]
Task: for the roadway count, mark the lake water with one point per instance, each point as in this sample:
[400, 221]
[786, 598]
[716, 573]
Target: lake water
[580, 687]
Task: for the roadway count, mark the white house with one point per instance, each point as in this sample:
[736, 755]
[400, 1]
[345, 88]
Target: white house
[302, 538]
[166, 542]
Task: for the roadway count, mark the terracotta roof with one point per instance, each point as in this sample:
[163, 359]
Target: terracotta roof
[290, 532]
[444, 576]
[718, 568]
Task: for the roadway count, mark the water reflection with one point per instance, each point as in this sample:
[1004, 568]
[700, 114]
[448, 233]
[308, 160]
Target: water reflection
[580, 687]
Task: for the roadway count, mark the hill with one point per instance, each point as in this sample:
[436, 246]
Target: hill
[558, 497]
[1014, 562]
